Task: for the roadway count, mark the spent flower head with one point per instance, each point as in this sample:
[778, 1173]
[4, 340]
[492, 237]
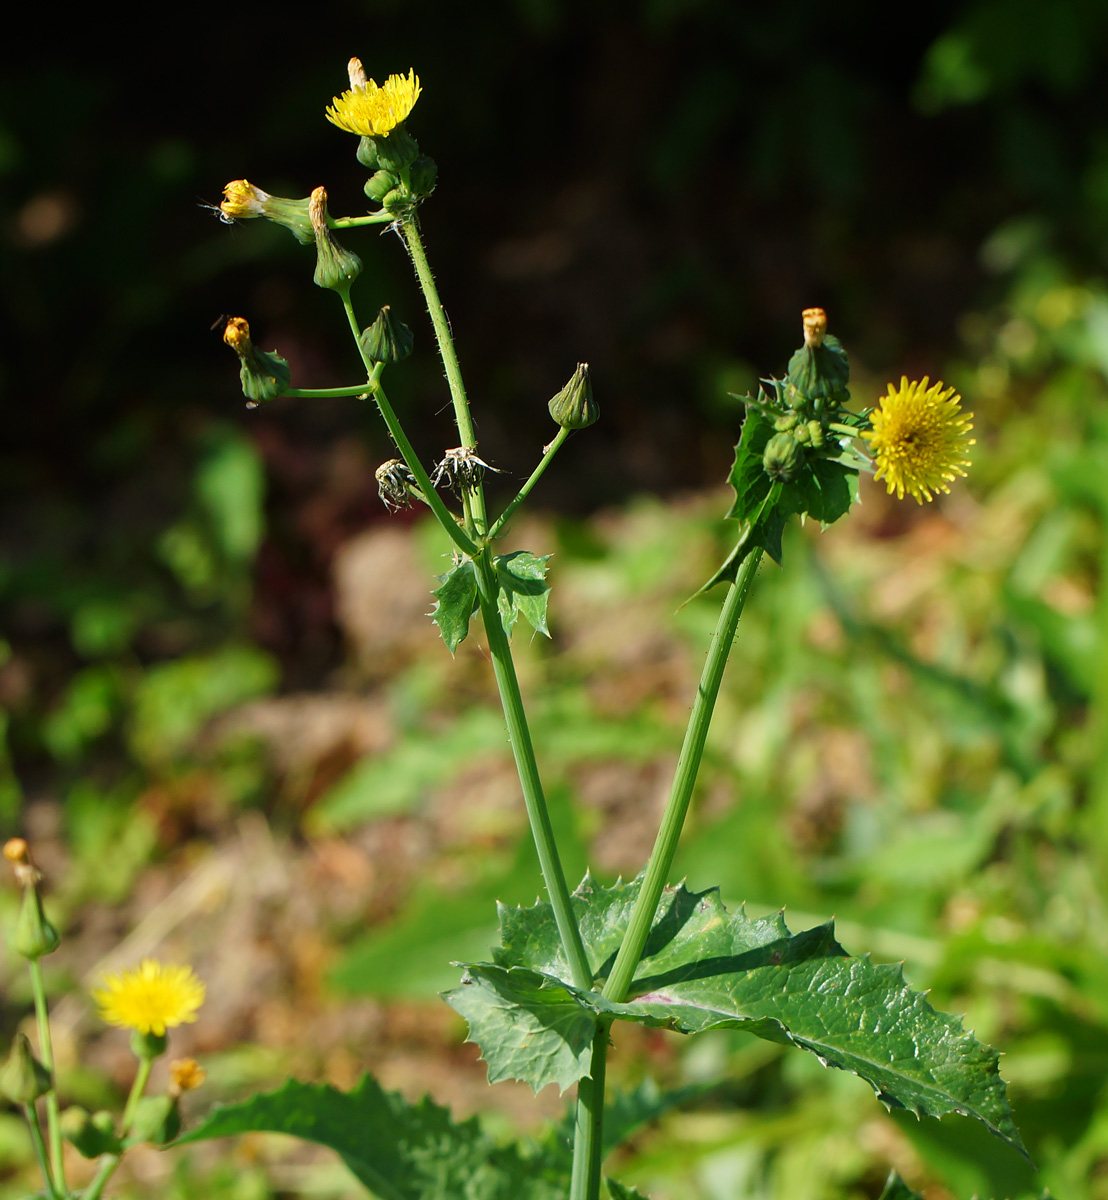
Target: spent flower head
[374, 111]
[185, 1074]
[919, 438]
[150, 998]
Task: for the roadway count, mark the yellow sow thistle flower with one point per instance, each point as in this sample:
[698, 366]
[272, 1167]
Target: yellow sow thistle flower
[374, 111]
[150, 998]
[919, 438]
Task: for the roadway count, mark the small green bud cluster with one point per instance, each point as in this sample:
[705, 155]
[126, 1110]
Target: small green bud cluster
[92, 1134]
[808, 400]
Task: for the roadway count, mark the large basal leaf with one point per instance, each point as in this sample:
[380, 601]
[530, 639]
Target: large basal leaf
[704, 968]
[456, 602]
[400, 1151]
[523, 590]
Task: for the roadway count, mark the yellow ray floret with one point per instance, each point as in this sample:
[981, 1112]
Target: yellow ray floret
[150, 997]
[919, 438]
[375, 111]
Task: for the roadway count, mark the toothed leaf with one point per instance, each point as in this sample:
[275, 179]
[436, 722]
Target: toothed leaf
[523, 590]
[456, 603]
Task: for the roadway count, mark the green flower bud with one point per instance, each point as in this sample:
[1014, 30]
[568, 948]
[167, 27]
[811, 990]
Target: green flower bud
[34, 935]
[335, 267]
[815, 433]
[242, 200]
[367, 153]
[380, 184]
[785, 423]
[423, 174]
[157, 1120]
[396, 149]
[819, 370]
[263, 375]
[387, 340]
[23, 1078]
[574, 407]
[783, 457]
[93, 1135]
[398, 199]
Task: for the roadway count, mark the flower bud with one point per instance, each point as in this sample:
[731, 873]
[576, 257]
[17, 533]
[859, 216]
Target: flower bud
[819, 370]
[34, 934]
[379, 184]
[149, 1044]
[243, 200]
[93, 1134]
[574, 407]
[157, 1120]
[264, 375]
[23, 1078]
[367, 153]
[335, 267]
[783, 457]
[386, 340]
[423, 175]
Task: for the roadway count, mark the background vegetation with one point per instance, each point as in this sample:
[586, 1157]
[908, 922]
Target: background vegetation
[227, 725]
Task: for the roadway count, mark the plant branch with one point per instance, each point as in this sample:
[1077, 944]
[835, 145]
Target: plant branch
[547, 454]
[684, 780]
[46, 1052]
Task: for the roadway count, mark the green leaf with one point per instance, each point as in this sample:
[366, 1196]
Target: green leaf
[456, 603]
[523, 590]
[618, 1191]
[400, 1151]
[703, 969]
[896, 1189]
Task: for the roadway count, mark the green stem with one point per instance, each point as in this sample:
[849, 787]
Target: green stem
[462, 417]
[547, 454]
[377, 218]
[104, 1172]
[535, 802]
[684, 779]
[46, 1053]
[396, 432]
[357, 389]
[35, 1129]
[588, 1139]
[142, 1077]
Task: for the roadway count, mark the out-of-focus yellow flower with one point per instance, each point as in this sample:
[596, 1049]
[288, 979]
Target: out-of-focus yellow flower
[150, 998]
[185, 1074]
[374, 111]
[919, 438]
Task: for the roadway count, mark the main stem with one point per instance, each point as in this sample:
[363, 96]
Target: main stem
[684, 780]
[538, 815]
[46, 1052]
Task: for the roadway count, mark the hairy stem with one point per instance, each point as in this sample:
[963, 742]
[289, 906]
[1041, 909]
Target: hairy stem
[684, 780]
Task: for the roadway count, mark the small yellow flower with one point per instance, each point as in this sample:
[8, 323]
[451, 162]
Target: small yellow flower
[374, 111]
[185, 1074]
[242, 199]
[150, 997]
[919, 438]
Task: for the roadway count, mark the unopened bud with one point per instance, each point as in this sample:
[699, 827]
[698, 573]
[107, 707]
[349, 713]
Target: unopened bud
[423, 175]
[574, 407]
[34, 934]
[242, 200]
[157, 1120]
[387, 340]
[357, 74]
[264, 375]
[379, 184]
[783, 457]
[23, 1078]
[335, 267]
[819, 371]
[93, 1134]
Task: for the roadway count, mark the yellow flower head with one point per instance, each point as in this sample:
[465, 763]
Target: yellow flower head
[374, 111]
[242, 199]
[150, 997]
[919, 438]
[185, 1074]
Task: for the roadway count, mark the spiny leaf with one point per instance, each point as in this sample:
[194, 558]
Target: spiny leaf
[704, 968]
[896, 1189]
[400, 1151]
[524, 591]
[456, 603]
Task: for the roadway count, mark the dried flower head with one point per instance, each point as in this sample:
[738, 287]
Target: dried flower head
[374, 111]
[185, 1075]
[150, 998]
[919, 438]
[461, 469]
[394, 484]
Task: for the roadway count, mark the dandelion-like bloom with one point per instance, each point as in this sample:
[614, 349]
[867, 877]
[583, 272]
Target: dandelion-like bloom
[374, 111]
[919, 438]
[150, 998]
